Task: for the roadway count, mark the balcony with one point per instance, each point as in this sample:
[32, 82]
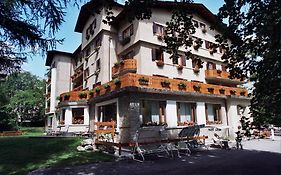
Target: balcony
[220, 77]
[125, 66]
[156, 83]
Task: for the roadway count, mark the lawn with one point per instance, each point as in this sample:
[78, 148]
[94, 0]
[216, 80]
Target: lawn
[20, 155]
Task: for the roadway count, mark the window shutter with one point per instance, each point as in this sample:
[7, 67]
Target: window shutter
[153, 52]
[120, 36]
[131, 30]
[207, 44]
[154, 28]
[183, 60]
[214, 66]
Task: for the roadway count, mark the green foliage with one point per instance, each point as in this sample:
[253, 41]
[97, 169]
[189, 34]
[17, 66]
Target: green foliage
[66, 95]
[97, 89]
[256, 52]
[82, 94]
[91, 92]
[26, 25]
[182, 85]
[117, 81]
[21, 99]
[106, 86]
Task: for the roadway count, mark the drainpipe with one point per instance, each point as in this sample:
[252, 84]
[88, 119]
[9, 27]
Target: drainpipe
[109, 69]
[226, 113]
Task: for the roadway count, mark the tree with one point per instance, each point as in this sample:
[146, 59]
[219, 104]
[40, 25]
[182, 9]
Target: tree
[26, 27]
[21, 99]
[256, 51]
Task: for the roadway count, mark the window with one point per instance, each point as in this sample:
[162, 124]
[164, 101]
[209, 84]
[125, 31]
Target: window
[195, 63]
[62, 118]
[186, 113]
[207, 44]
[213, 113]
[88, 52]
[202, 26]
[223, 67]
[78, 116]
[153, 112]
[129, 31]
[211, 66]
[107, 113]
[157, 55]
[98, 64]
[195, 23]
[86, 73]
[98, 42]
[158, 29]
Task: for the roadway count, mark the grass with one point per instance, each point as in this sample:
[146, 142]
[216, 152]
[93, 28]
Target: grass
[20, 155]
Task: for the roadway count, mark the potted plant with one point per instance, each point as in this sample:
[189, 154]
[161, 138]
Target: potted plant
[196, 70]
[143, 81]
[243, 93]
[182, 85]
[91, 93]
[106, 86]
[160, 36]
[211, 90]
[160, 63]
[82, 94]
[232, 92]
[66, 96]
[59, 98]
[197, 87]
[97, 90]
[165, 83]
[179, 67]
[117, 82]
[222, 90]
[219, 72]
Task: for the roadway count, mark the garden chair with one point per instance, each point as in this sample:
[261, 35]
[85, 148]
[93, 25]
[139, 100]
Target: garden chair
[142, 148]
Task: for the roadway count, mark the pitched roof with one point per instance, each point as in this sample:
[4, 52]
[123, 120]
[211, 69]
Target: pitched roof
[87, 10]
[52, 53]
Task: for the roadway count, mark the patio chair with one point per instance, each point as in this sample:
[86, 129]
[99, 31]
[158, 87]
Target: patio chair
[189, 138]
[142, 148]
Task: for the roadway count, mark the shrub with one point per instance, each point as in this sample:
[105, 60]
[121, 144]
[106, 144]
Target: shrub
[196, 87]
[59, 98]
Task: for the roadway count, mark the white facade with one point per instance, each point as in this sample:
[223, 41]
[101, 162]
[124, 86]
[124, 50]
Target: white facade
[101, 47]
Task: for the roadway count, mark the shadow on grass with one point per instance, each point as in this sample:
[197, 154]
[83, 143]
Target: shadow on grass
[20, 155]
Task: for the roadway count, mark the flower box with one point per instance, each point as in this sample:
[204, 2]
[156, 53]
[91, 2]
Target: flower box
[211, 90]
[197, 87]
[182, 86]
[165, 83]
[160, 63]
[179, 67]
[143, 81]
[232, 92]
[222, 91]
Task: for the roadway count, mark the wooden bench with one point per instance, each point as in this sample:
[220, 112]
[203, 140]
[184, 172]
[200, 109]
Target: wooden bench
[10, 133]
[105, 131]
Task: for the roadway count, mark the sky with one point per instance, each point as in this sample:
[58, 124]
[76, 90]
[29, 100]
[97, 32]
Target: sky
[36, 64]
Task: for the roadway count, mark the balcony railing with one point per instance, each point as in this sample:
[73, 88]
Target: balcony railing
[220, 77]
[125, 66]
[159, 83]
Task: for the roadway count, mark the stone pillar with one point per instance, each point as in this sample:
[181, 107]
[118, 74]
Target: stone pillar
[129, 117]
[171, 113]
[200, 113]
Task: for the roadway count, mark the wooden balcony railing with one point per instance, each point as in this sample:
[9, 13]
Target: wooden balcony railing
[125, 66]
[103, 129]
[221, 77]
[156, 82]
